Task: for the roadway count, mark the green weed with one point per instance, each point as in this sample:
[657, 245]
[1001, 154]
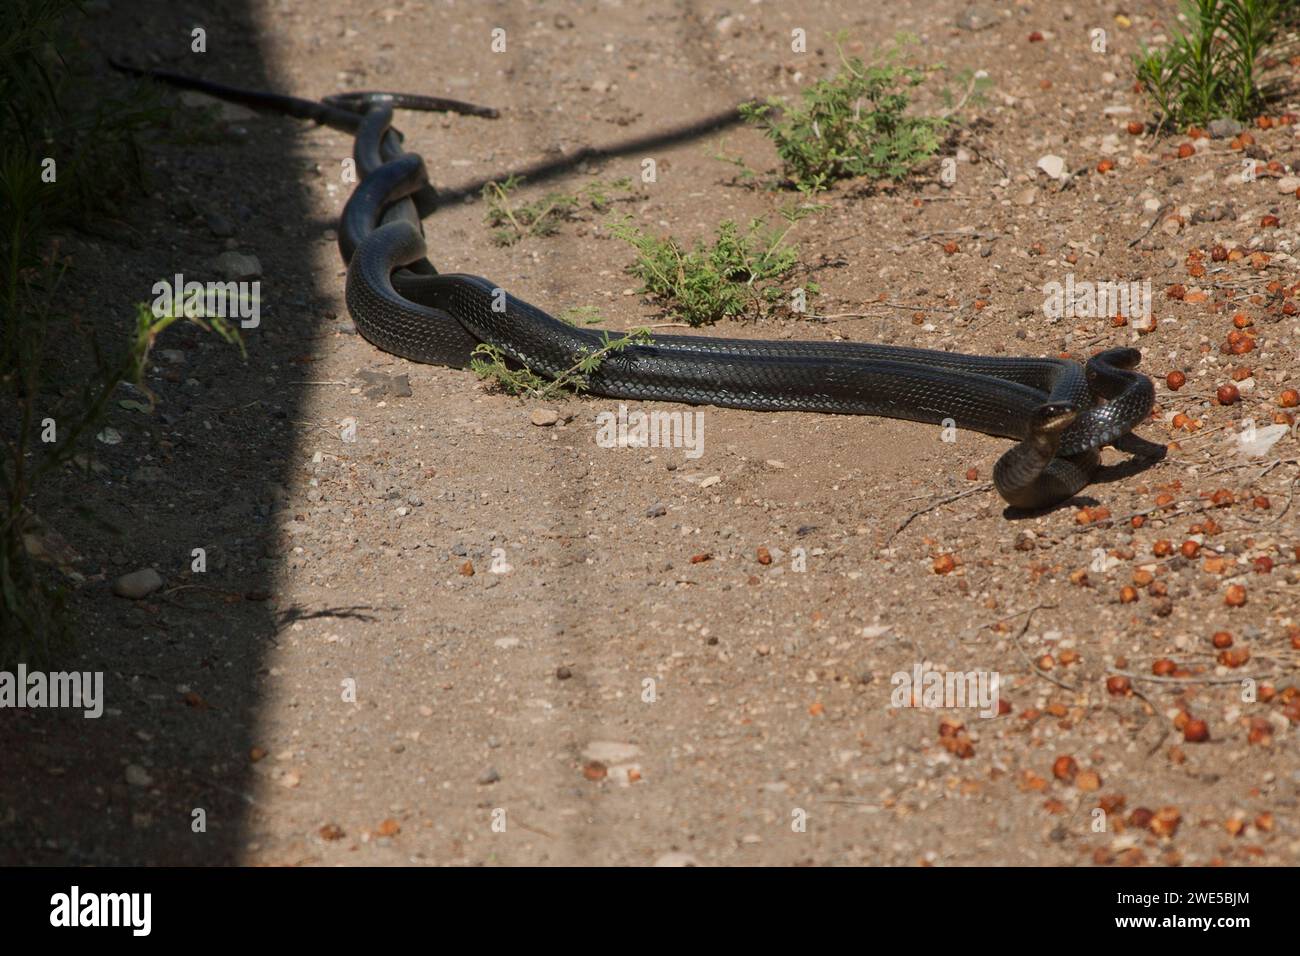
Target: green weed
[488, 362]
[741, 272]
[854, 124]
[515, 221]
[1210, 70]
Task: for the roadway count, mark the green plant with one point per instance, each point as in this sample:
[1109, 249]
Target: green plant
[739, 272]
[1211, 69]
[543, 217]
[854, 124]
[490, 363]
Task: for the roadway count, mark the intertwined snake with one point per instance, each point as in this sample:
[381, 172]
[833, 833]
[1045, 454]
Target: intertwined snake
[1061, 412]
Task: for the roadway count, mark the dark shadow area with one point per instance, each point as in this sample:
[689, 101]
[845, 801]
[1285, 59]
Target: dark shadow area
[166, 775]
[1145, 454]
[183, 668]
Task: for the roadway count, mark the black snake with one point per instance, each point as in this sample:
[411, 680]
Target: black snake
[1061, 412]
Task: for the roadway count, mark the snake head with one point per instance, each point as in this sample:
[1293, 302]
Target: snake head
[1121, 357]
[1046, 426]
[1052, 418]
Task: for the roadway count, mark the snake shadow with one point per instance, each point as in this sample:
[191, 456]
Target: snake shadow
[1145, 454]
[553, 168]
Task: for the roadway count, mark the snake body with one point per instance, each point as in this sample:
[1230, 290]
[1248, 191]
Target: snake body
[1060, 412]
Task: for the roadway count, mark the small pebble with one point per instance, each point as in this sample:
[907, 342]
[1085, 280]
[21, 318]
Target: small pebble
[238, 266]
[1224, 128]
[1052, 165]
[973, 18]
[137, 584]
[137, 776]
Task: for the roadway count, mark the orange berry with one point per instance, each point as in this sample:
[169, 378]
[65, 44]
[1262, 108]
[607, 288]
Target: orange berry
[1234, 657]
[1165, 822]
[1065, 768]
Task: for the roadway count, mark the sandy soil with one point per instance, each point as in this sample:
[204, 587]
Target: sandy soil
[643, 684]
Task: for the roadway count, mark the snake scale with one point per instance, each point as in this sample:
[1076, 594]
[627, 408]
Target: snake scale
[1060, 412]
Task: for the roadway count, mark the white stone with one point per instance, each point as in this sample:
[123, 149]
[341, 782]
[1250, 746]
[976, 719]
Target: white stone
[1052, 165]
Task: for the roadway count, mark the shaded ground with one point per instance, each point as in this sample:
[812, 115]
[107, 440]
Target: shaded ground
[616, 696]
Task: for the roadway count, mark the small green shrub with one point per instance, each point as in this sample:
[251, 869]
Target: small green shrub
[1211, 69]
[515, 221]
[740, 272]
[855, 124]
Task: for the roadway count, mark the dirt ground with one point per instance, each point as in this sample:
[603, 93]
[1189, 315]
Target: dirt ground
[661, 659]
